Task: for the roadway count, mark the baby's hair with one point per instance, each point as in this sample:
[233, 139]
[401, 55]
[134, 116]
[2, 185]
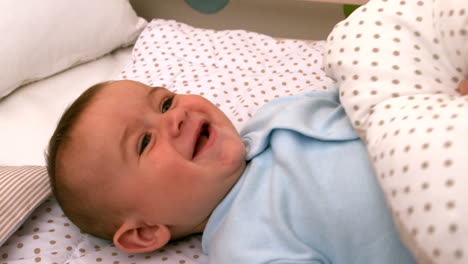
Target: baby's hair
[57, 144]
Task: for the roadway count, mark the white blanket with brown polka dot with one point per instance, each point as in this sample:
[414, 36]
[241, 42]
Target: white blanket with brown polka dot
[398, 64]
[239, 71]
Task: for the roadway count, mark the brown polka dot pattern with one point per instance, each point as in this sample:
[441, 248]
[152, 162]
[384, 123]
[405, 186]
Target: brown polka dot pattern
[239, 71]
[48, 237]
[403, 101]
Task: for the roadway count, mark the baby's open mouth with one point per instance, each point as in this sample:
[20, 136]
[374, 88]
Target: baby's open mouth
[202, 139]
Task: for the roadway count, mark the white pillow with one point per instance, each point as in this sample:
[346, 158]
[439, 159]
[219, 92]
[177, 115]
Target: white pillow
[40, 38]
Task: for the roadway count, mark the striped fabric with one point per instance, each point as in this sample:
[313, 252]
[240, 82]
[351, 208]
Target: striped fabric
[22, 189]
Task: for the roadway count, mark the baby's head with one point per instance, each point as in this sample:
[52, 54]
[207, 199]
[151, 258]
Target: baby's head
[141, 165]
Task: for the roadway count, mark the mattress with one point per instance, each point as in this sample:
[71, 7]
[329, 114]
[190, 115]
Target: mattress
[239, 71]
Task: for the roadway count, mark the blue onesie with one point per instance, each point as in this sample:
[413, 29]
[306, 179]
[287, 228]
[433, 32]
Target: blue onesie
[308, 194]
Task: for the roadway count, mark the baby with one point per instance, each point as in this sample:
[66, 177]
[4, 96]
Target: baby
[142, 166]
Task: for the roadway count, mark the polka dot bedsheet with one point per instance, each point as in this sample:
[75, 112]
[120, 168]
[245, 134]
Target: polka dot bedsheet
[237, 70]
[398, 64]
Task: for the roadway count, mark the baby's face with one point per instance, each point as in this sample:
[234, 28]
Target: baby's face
[168, 158]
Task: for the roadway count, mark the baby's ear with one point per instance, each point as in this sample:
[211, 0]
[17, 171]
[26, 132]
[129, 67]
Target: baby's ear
[132, 238]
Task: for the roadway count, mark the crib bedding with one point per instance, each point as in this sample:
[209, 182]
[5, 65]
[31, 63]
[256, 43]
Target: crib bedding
[398, 65]
[237, 70]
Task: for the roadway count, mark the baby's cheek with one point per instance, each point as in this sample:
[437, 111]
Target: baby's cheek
[238, 154]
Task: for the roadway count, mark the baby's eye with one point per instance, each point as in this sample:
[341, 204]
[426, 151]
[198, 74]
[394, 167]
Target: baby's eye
[145, 140]
[166, 104]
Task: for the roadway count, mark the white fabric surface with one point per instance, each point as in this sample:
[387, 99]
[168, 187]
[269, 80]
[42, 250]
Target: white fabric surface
[398, 65]
[40, 38]
[237, 70]
[49, 237]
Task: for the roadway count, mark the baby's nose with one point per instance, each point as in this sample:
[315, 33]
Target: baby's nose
[175, 119]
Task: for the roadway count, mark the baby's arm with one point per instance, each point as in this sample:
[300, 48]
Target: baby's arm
[463, 87]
